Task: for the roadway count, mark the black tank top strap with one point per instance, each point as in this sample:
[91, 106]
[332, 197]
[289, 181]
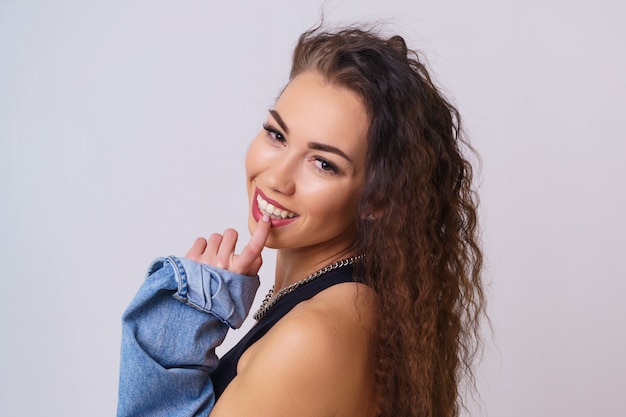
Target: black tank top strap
[227, 368]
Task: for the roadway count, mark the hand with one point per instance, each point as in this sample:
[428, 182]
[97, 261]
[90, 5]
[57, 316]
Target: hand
[219, 250]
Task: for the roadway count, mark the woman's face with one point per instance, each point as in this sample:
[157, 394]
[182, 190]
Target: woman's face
[306, 166]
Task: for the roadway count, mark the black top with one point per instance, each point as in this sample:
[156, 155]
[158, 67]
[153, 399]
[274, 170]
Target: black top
[227, 368]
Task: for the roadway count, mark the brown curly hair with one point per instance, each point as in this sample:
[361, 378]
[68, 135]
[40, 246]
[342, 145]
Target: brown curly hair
[418, 222]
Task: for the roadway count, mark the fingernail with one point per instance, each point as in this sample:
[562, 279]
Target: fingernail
[266, 218]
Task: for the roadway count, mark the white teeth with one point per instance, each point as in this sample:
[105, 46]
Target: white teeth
[273, 210]
[262, 203]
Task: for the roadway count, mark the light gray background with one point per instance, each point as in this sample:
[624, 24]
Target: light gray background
[123, 128]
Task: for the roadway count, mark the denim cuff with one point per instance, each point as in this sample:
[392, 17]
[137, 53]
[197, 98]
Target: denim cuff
[224, 294]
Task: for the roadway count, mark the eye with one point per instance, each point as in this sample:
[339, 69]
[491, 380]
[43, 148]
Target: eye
[274, 133]
[326, 166]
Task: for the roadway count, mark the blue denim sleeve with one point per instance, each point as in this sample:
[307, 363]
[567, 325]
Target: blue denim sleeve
[169, 334]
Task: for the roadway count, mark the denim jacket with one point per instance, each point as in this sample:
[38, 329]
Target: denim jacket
[169, 334]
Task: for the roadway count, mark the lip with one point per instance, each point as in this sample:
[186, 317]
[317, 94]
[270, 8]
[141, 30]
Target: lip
[256, 213]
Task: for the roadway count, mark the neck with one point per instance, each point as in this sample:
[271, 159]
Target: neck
[293, 265]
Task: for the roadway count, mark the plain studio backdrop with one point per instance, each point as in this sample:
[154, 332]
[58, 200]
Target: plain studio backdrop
[123, 130]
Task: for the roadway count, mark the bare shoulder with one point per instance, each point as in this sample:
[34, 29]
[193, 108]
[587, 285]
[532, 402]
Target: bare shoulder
[317, 360]
[338, 323]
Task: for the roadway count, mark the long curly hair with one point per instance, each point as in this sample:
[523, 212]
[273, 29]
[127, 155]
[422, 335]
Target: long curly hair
[417, 220]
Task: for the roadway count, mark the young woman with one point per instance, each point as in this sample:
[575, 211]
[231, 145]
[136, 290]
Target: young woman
[358, 179]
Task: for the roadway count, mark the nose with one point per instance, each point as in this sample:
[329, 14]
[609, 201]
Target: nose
[280, 176]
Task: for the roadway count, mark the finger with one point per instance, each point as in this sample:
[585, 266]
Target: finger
[213, 244]
[251, 253]
[197, 249]
[252, 268]
[226, 249]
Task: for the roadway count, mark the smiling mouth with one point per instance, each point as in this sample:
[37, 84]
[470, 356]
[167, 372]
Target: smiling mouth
[273, 211]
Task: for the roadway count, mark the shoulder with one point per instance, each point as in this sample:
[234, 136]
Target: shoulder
[342, 313]
[317, 360]
[330, 327]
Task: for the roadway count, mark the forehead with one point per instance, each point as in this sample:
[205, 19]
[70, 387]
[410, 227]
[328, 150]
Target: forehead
[315, 110]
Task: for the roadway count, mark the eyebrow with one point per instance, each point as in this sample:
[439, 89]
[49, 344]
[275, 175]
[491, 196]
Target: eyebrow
[279, 120]
[312, 145]
[329, 148]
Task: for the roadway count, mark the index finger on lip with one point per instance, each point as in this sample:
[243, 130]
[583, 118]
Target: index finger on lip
[258, 239]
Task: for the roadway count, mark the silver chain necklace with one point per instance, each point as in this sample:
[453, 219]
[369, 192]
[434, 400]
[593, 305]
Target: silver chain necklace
[268, 301]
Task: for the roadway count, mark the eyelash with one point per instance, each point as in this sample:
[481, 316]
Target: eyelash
[274, 133]
[277, 136]
[332, 169]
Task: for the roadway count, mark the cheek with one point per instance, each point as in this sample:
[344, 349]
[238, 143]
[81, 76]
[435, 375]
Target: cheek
[335, 204]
